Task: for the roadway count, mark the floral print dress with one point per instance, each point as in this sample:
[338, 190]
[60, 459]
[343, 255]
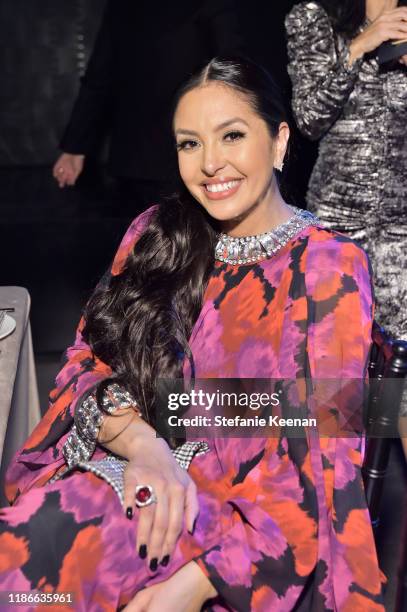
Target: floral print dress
[283, 522]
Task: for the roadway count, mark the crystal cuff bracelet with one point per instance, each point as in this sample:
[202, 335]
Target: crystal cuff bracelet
[81, 442]
[111, 468]
[88, 419]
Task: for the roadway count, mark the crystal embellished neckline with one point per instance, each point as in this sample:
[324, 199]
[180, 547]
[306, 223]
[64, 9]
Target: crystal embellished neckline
[250, 249]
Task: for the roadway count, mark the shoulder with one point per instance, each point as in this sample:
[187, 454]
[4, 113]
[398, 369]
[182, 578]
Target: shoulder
[135, 230]
[330, 249]
[307, 15]
[334, 264]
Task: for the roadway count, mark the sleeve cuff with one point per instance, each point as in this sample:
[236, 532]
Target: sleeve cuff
[81, 442]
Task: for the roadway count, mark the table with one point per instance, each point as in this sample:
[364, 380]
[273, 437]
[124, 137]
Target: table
[19, 403]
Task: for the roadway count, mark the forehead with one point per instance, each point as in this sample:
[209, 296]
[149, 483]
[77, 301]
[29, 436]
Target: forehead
[212, 104]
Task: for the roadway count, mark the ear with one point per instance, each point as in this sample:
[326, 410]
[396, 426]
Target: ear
[281, 143]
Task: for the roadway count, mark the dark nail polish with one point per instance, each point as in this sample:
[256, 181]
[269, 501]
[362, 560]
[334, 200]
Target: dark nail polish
[193, 527]
[142, 551]
[129, 512]
[165, 560]
[153, 564]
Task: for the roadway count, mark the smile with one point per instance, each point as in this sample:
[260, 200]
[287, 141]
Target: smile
[217, 191]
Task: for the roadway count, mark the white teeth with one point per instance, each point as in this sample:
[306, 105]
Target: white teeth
[221, 186]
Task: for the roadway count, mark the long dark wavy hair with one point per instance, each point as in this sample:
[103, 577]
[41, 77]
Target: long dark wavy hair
[141, 322]
[346, 15]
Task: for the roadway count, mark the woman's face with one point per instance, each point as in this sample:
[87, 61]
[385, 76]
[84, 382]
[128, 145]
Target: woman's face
[226, 154]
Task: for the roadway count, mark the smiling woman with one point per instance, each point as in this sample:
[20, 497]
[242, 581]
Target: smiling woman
[228, 148]
[120, 517]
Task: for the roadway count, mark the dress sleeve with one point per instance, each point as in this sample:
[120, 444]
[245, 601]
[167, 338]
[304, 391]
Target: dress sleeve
[318, 67]
[340, 304]
[95, 96]
[296, 487]
[340, 307]
[41, 456]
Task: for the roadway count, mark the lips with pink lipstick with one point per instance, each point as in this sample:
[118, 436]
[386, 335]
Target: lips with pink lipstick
[219, 189]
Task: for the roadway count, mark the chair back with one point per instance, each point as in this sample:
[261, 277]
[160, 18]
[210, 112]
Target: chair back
[387, 372]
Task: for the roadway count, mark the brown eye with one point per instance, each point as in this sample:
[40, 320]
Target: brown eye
[186, 145]
[233, 136]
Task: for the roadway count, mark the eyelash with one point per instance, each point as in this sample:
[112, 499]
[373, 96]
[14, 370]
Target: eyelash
[235, 134]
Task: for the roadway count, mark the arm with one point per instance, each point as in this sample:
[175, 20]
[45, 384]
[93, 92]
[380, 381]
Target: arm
[41, 456]
[96, 92]
[321, 75]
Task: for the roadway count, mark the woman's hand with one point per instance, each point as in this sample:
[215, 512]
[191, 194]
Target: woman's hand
[159, 524]
[67, 168]
[151, 462]
[186, 591]
[390, 25]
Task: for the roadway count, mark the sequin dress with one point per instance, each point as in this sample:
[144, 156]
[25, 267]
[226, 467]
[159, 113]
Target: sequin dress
[359, 182]
[283, 522]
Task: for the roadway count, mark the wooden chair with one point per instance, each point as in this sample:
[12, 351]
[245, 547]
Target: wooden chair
[387, 373]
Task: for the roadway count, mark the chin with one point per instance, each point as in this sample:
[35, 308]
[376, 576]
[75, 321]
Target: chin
[223, 211]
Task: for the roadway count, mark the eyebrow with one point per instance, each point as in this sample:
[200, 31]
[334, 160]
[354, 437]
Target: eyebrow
[221, 126]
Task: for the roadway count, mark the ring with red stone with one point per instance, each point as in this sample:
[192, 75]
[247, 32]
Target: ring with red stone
[145, 496]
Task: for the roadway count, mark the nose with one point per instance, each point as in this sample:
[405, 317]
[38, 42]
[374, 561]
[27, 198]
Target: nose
[213, 160]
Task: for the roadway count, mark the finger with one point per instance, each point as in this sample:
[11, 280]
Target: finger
[395, 20]
[144, 528]
[69, 176]
[191, 506]
[401, 10]
[175, 520]
[397, 13]
[61, 181]
[159, 529]
[130, 484]
[58, 172]
[400, 33]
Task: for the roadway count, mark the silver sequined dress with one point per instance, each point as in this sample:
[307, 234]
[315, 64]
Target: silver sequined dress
[359, 183]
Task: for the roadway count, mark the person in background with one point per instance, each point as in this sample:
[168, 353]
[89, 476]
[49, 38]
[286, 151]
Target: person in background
[223, 281]
[357, 110]
[141, 54]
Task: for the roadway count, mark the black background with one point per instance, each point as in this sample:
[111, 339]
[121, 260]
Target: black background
[57, 243]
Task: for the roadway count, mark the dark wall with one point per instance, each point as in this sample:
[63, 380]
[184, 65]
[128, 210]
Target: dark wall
[44, 48]
[45, 45]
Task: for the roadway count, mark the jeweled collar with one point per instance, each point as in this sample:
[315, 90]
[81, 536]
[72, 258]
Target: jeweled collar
[262, 246]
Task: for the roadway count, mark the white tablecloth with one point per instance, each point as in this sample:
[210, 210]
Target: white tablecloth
[19, 403]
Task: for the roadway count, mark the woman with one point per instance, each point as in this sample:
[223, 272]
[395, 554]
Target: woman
[358, 111]
[256, 523]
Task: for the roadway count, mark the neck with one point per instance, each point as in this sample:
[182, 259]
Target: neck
[266, 214]
[374, 8]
